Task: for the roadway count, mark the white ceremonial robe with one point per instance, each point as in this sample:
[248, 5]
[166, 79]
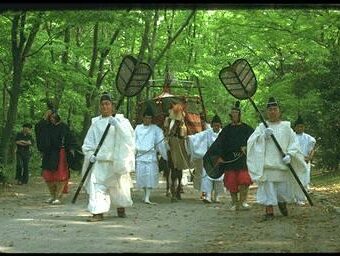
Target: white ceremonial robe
[149, 141]
[109, 180]
[275, 180]
[307, 144]
[197, 146]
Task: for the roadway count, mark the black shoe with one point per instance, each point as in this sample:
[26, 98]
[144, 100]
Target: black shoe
[283, 208]
[121, 212]
[95, 218]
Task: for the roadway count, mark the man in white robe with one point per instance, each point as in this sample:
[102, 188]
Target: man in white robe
[268, 168]
[198, 145]
[307, 144]
[197, 165]
[149, 140]
[109, 180]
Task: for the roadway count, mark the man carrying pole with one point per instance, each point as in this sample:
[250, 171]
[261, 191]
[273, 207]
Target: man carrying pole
[109, 181]
[268, 168]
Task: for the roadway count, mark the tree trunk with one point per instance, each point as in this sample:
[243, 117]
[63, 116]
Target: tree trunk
[91, 96]
[141, 54]
[64, 60]
[21, 45]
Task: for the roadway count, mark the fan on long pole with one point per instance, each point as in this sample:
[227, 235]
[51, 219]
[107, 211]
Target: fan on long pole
[240, 81]
[131, 78]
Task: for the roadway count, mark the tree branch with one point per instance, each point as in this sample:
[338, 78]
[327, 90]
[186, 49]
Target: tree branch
[171, 40]
[32, 35]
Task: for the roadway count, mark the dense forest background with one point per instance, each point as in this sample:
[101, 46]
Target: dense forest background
[70, 57]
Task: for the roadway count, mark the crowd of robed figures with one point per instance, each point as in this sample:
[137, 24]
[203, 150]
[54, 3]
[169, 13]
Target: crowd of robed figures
[249, 155]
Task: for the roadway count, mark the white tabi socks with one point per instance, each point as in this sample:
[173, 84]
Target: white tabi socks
[147, 196]
[207, 198]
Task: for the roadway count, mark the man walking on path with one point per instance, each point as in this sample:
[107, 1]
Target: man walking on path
[55, 141]
[198, 144]
[109, 180]
[267, 167]
[307, 144]
[230, 148]
[149, 142]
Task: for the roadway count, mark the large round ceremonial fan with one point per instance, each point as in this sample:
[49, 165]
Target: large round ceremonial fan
[132, 76]
[239, 79]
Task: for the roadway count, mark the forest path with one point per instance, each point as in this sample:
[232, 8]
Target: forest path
[28, 225]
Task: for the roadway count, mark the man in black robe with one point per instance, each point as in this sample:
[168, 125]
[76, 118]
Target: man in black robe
[55, 141]
[229, 151]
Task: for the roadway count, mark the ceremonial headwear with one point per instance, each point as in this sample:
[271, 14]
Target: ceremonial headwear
[216, 119]
[106, 96]
[299, 120]
[236, 106]
[56, 116]
[148, 111]
[272, 102]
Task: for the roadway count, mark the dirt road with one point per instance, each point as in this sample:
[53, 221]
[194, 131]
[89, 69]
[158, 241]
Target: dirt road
[28, 225]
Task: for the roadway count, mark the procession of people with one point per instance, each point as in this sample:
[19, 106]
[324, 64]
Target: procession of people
[241, 154]
[248, 156]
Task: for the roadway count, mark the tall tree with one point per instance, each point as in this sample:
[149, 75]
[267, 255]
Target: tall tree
[22, 35]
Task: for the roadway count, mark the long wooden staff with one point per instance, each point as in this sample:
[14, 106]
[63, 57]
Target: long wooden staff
[240, 81]
[131, 78]
[201, 98]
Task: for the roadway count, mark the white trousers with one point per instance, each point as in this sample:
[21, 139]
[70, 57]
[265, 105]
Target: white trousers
[209, 185]
[272, 192]
[102, 196]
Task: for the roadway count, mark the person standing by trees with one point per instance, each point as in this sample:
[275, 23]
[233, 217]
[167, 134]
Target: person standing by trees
[109, 180]
[307, 144]
[54, 141]
[198, 145]
[23, 140]
[149, 141]
[230, 146]
[268, 168]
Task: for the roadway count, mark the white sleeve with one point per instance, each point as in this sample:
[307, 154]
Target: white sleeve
[89, 144]
[160, 143]
[255, 153]
[197, 144]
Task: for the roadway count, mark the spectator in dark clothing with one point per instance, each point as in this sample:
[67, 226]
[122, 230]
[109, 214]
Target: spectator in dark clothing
[23, 140]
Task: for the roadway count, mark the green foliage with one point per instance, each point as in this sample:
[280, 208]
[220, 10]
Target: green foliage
[4, 174]
[294, 54]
